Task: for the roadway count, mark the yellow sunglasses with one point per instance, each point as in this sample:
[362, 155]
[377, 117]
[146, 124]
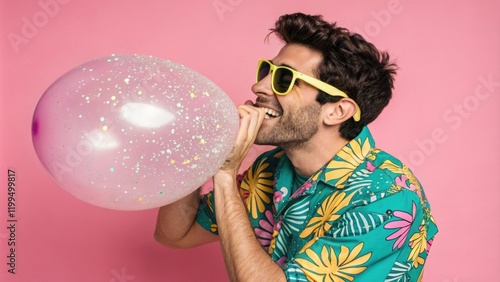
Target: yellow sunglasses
[283, 79]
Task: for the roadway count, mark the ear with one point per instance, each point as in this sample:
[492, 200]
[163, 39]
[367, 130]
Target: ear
[337, 113]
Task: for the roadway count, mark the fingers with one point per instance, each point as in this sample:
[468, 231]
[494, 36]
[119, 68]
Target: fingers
[251, 119]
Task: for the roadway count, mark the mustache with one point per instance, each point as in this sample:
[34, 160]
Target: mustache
[263, 100]
[273, 103]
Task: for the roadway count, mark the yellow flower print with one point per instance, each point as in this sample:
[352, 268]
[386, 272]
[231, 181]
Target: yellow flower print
[414, 184]
[214, 228]
[404, 170]
[259, 185]
[210, 200]
[392, 167]
[330, 267]
[279, 154]
[326, 214]
[308, 245]
[272, 245]
[419, 279]
[352, 156]
[418, 244]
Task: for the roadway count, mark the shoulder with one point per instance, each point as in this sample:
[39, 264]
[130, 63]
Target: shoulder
[381, 175]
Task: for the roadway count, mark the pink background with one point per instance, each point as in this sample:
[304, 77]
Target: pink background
[443, 121]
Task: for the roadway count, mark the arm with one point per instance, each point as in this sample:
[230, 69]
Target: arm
[176, 226]
[245, 259]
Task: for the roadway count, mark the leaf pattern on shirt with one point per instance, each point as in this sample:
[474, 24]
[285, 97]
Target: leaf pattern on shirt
[327, 213]
[347, 160]
[328, 266]
[259, 185]
[292, 220]
[418, 244]
[355, 223]
[382, 187]
[399, 272]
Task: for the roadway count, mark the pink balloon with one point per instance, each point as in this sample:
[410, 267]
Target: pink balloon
[133, 132]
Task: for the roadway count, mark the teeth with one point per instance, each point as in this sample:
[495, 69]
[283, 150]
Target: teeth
[271, 112]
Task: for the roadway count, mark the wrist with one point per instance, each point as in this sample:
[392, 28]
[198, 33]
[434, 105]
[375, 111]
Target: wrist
[225, 175]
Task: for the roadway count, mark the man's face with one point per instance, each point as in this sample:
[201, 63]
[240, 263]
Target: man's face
[292, 119]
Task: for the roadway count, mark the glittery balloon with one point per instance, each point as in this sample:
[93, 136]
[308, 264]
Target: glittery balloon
[133, 132]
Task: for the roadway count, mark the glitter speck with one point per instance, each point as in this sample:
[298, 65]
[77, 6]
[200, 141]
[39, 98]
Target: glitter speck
[113, 98]
[112, 169]
[101, 119]
[217, 126]
[192, 95]
[139, 200]
[172, 161]
[202, 141]
[104, 128]
[195, 158]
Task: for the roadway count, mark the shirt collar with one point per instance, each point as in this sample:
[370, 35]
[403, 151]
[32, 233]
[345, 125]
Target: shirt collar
[339, 168]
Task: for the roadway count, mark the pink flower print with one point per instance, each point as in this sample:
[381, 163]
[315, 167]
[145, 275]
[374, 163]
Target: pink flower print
[402, 181]
[403, 227]
[264, 232]
[239, 178]
[429, 245]
[278, 196]
[277, 226]
[306, 186]
[281, 261]
[370, 167]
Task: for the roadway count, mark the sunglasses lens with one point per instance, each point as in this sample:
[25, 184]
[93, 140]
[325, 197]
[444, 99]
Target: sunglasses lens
[263, 70]
[282, 80]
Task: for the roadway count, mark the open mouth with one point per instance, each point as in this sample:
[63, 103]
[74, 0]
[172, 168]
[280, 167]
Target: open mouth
[270, 113]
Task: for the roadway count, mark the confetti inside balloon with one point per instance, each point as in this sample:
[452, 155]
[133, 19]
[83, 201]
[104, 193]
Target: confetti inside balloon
[133, 132]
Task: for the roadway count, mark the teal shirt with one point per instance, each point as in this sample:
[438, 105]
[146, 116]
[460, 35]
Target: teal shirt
[363, 216]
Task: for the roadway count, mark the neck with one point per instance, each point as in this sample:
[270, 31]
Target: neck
[309, 157]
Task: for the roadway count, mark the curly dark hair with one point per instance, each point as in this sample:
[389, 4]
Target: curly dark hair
[349, 63]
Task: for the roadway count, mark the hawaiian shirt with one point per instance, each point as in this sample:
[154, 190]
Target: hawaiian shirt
[363, 216]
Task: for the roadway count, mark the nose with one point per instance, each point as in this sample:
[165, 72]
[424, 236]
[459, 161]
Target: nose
[263, 86]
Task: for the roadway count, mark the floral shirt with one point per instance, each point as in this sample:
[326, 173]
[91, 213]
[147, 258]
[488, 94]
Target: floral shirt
[363, 216]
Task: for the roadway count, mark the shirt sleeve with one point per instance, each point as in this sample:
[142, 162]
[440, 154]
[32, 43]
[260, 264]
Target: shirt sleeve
[206, 213]
[385, 239]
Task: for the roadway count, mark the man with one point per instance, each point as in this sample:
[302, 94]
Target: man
[326, 204]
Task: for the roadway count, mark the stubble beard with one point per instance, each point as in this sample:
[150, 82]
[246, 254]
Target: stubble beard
[294, 129]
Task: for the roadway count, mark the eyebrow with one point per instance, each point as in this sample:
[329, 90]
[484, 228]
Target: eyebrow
[284, 65]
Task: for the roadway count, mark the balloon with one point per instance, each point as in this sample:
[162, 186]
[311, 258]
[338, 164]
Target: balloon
[133, 132]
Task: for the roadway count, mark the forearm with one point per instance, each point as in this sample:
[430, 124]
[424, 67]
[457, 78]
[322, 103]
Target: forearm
[244, 257]
[176, 219]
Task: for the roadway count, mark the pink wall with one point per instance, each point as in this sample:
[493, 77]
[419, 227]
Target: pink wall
[443, 120]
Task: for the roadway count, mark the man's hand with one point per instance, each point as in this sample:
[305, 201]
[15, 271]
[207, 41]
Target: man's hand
[251, 119]
[245, 258]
